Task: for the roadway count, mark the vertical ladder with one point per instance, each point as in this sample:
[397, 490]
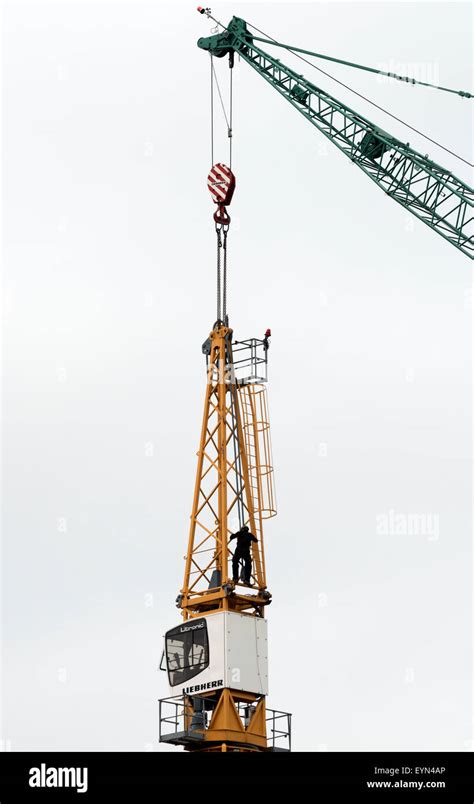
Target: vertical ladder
[252, 451]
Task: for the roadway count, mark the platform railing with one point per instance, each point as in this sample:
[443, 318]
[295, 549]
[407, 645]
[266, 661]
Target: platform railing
[250, 362]
[184, 723]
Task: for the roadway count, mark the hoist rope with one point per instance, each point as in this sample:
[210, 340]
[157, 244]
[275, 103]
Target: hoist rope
[221, 310]
[228, 119]
[360, 95]
[221, 228]
[219, 245]
[224, 283]
[212, 110]
[220, 96]
[404, 78]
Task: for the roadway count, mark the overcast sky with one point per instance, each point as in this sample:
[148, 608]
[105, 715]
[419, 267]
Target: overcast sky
[109, 263]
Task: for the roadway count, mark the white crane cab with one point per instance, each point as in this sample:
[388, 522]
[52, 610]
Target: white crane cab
[225, 649]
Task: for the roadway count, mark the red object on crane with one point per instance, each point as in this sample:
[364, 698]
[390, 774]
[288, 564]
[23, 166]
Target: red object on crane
[221, 184]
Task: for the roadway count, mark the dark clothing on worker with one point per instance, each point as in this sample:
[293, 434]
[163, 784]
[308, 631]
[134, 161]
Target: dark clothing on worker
[242, 553]
[244, 538]
[247, 560]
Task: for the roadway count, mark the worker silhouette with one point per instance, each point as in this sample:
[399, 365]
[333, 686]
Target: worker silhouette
[266, 340]
[242, 553]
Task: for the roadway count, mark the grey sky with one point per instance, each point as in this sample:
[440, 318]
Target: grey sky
[109, 252]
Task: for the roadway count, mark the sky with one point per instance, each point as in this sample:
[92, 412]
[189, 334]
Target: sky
[108, 293]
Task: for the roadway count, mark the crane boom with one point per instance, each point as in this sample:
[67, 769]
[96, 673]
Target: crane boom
[430, 192]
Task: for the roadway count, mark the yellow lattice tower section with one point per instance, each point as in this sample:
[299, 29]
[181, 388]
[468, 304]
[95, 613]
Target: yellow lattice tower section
[228, 492]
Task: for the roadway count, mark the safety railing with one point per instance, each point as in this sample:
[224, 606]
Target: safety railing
[178, 723]
[278, 730]
[184, 720]
[250, 362]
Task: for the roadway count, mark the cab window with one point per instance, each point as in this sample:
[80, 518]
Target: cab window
[187, 651]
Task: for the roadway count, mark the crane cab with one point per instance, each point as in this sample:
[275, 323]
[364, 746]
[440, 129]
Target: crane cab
[225, 649]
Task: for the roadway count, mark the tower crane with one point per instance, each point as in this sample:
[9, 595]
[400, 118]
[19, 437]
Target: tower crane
[216, 658]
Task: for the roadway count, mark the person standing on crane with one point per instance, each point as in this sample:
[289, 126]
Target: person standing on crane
[242, 552]
[266, 340]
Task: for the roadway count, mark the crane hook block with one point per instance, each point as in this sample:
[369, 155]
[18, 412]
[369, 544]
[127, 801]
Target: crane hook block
[221, 184]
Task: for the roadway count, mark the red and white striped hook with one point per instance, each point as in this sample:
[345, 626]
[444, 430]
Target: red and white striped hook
[221, 184]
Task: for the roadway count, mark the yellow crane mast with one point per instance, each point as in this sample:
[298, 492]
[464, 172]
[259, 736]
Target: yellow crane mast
[229, 485]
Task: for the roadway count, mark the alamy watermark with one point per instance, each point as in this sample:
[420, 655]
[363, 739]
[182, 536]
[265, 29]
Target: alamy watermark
[395, 523]
[425, 71]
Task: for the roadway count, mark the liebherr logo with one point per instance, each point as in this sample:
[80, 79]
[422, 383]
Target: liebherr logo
[192, 627]
[211, 685]
[59, 777]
